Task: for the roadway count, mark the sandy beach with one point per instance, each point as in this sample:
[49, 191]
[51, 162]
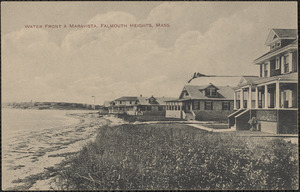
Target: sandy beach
[29, 160]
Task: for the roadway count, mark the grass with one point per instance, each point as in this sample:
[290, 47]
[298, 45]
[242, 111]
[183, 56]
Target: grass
[173, 156]
[143, 118]
[216, 126]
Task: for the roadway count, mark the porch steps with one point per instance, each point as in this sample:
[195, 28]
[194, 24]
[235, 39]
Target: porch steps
[189, 116]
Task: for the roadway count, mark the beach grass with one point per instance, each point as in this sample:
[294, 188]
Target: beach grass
[176, 156]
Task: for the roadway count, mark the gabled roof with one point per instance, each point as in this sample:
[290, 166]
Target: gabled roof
[159, 100]
[194, 91]
[209, 85]
[281, 34]
[248, 80]
[125, 98]
[271, 53]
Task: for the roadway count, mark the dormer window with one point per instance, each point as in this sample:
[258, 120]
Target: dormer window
[273, 46]
[210, 92]
[152, 100]
[278, 44]
[213, 92]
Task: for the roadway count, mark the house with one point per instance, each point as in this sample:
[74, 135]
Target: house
[202, 102]
[139, 105]
[271, 97]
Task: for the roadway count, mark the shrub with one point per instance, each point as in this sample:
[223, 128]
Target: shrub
[152, 157]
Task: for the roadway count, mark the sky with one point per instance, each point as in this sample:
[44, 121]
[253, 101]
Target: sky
[73, 64]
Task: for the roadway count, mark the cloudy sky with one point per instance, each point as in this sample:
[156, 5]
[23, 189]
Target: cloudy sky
[72, 64]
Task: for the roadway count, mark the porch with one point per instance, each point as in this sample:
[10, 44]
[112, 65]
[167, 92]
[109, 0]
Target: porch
[276, 94]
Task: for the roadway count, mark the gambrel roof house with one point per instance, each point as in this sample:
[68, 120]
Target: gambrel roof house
[202, 102]
[271, 97]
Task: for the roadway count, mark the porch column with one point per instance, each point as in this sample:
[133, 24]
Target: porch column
[249, 101]
[234, 100]
[242, 99]
[256, 97]
[277, 94]
[266, 97]
[263, 70]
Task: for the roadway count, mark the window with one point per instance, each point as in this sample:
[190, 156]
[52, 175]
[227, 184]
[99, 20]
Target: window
[278, 44]
[213, 92]
[286, 63]
[273, 46]
[260, 70]
[207, 92]
[196, 105]
[210, 92]
[278, 63]
[266, 70]
[226, 105]
[149, 108]
[175, 107]
[130, 102]
[208, 105]
[160, 108]
[120, 102]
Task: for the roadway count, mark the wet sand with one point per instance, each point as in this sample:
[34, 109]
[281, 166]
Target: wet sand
[29, 161]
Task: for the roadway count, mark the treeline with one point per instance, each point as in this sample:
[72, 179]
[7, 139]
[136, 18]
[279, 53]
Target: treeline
[50, 105]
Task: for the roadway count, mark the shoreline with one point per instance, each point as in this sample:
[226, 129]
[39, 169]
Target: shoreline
[31, 165]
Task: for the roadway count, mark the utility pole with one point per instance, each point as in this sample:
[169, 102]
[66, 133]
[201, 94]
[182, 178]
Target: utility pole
[94, 102]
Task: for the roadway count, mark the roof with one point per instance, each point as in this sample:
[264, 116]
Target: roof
[224, 92]
[159, 100]
[125, 98]
[294, 43]
[248, 80]
[283, 33]
[283, 77]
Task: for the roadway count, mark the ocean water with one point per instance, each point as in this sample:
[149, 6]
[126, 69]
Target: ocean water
[16, 122]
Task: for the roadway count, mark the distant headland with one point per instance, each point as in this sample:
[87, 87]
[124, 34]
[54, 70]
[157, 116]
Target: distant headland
[50, 105]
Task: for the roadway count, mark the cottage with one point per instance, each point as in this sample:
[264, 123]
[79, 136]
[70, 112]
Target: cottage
[271, 97]
[139, 105]
[202, 102]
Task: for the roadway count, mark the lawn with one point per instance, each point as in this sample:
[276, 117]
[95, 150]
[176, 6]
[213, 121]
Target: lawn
[176, 156]
[143, 118]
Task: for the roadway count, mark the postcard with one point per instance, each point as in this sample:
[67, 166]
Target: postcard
[126, 95]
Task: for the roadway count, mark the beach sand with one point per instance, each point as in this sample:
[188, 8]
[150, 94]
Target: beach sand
[29, 161]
